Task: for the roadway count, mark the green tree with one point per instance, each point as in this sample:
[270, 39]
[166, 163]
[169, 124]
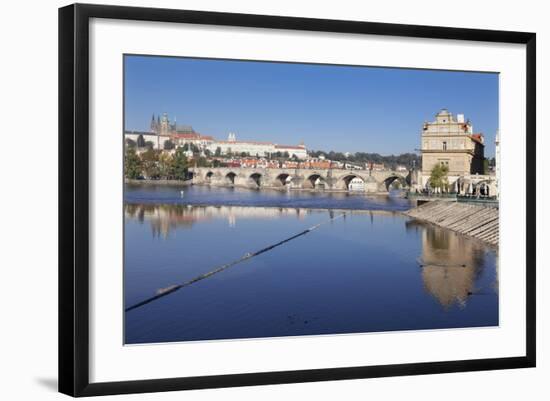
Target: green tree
[438, 177]
[203, 162]
[132, 164]
[165, 165]
[150, 160]
[179, 165]
[140, 141]
[218, 151]
[169, 145]
[130, 143]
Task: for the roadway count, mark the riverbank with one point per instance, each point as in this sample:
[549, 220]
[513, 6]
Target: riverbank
[480, 222]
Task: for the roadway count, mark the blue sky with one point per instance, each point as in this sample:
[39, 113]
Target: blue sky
[337, 108]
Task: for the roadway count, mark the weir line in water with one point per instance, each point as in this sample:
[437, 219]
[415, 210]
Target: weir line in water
[173, 288]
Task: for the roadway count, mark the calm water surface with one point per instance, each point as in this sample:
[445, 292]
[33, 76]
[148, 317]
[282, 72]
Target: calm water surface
[363, 272]
[205, 195]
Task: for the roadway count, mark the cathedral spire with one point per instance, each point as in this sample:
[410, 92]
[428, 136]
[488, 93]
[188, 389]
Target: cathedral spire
[153, 125]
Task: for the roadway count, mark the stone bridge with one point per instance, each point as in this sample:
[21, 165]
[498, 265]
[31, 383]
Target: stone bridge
[328, 179]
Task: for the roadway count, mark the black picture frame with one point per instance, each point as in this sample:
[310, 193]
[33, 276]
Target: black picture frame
[74, 198]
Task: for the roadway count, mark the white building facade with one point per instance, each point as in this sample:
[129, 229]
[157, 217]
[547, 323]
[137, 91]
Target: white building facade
[254, 148]
[158, 141]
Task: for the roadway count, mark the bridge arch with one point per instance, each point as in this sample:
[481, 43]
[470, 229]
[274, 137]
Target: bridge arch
[208, 176]
[395, 181]
[230, 178]
[352, 182]
[483, 188]
[314, 181]
[283, 179]
[463, 186]
[255, 180]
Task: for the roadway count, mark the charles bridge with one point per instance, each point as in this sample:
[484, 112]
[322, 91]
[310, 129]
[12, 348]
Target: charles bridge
[328, 179]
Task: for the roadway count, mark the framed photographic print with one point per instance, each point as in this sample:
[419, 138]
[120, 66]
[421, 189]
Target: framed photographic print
[250, 199]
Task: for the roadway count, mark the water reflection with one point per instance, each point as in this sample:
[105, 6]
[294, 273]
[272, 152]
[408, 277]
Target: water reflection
[370, 271]
[451, 264]
[165, 218]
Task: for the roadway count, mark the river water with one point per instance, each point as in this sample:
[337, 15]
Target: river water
[365, 268]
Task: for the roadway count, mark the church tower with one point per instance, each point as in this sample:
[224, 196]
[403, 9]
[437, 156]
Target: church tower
[164, 124]
[154, 128]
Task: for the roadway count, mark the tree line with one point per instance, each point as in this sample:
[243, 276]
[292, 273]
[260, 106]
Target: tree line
[154, 164]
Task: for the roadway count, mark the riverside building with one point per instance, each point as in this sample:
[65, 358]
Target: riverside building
[451, 141]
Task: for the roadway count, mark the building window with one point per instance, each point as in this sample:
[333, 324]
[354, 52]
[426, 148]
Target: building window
[444, 145]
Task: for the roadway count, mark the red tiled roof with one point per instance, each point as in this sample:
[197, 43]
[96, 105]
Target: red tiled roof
[187, 135]
[193, 135]
[477, 138]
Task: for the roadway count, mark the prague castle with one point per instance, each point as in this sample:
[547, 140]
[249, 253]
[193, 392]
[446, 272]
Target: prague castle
[163, 131]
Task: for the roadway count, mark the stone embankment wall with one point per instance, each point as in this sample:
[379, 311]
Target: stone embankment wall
[476, 221]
